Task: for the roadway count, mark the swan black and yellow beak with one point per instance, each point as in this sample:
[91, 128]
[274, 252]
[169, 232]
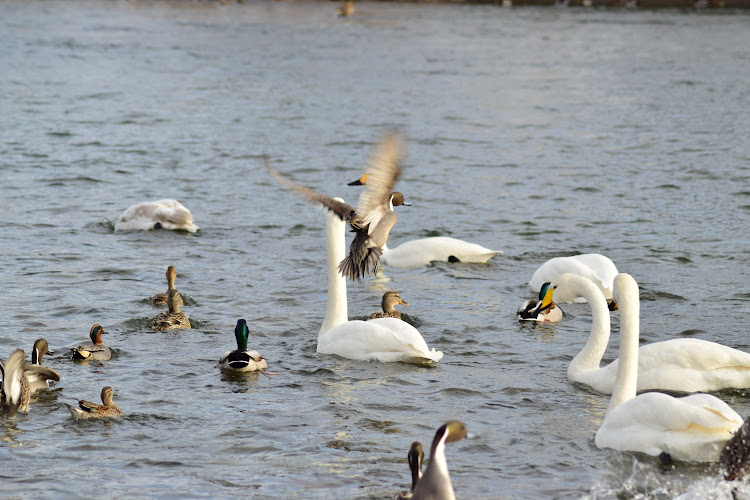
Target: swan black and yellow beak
[359, 182]
[612, 305]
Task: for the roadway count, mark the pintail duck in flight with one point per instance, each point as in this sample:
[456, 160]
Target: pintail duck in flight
[241, 359]
[415, 458]
[159, 214]
[38, 375]
[436, 482]
[160, 299]
[532, 310]
[88, 410]
[97, 350]
[174, 318]
[374, 217]
[390, 299]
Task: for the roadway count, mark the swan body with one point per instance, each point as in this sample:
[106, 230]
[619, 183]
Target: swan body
[164, 214]
[435, 484]
[596, 267]
[680, 365]
[88, 410]
[241, 359]
[97, 350]
[694, 428]
[532, 310]
[382, 339]
[418, 253]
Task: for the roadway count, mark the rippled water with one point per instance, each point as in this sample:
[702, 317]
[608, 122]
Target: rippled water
[540, 132]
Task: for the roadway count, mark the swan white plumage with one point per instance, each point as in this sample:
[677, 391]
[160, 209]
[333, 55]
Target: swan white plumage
[694, 428]
[596, 267]
[381, 339]
[681, 365]
[165, 214]
[418, 253]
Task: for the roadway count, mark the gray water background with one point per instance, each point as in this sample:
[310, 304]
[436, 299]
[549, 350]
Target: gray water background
[537, 131]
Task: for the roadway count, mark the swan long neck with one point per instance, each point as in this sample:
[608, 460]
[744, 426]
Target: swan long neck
[336, 311]
[626, 381]
[591, 355]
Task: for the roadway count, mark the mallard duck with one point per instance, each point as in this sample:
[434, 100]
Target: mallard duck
[596, 267]
[436, 482]
[531, 310]
[415, 458]
[693, 428]
[241, 359]
[373, 219]
[38, 375]
[381, 339]
[174, 318]
[97, 350]
[680, 365]
[160, 299]
[390, 299]
[87, 409]
[14, 386]
[159, 214]
[347, 9]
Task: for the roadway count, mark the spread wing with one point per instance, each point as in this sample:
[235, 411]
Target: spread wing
[344, 210]
[383, 171]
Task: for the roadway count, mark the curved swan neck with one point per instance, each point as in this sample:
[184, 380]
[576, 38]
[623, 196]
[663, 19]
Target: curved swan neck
[627, 298]
[336, 311]
[591, 355]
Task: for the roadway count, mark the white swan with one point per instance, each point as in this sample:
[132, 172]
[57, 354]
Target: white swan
[694, 428]
[683, 365]
[418, 253]
[165, 214]
[381, 339]
[593, 266]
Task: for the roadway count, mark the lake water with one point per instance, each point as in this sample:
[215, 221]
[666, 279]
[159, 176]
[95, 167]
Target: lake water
[537, 131]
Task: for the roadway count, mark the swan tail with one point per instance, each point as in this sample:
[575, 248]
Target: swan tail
[735, 457]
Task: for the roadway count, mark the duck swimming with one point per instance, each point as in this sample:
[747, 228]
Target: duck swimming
[159, 214]
[680, 365]
[435, 484]
[347, 9]
[174, 318]
[596, 267]
[381, 339]
[420, 252]
[694, 428]
[89, 410]
[532, 310]
[415, 457]
[97, 350]
[241, 359]
[14, 387]
[38, 375]
[160, 299]
[390, 299]
[374, 217]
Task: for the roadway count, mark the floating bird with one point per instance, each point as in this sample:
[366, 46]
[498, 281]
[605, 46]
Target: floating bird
[381, 339]
[531, 310]
[682, 365]
[174, 318]
[436, 482]
[159, 214]
[415, 457]
[694, 428]
[390, 299]
[242, 360]
[598, 268]
[14, 388]
[160, 299]
[88, 410]
[347, 9]
[420, 252]
[97, 350]
[374, 217]
[735, 457]
[38, 375]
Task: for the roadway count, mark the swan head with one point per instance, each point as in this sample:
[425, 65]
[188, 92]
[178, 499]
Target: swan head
[96, 334]
[624, 290]
[241, 332]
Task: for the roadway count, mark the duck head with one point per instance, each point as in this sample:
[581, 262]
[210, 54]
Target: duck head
[40, 349]
[241, 333]
[96, 334]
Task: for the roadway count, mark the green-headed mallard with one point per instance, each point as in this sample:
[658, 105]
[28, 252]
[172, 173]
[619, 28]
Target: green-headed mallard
[415, 457]
[174, 318]
[531, 310]
[436, 482]
[241, 359]
[97, 350]
[160, 299]
[38, 375]
[87, 409]
[390, 300]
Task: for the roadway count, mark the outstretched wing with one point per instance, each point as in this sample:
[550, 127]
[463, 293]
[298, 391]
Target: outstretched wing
[383, 171]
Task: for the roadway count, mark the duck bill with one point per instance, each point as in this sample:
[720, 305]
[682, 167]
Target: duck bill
[612, 305]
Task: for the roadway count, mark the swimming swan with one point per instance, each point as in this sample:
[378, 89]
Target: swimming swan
[382, 339]
[694, 428]
[164, 214]
[684, 365]
[593, 266]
